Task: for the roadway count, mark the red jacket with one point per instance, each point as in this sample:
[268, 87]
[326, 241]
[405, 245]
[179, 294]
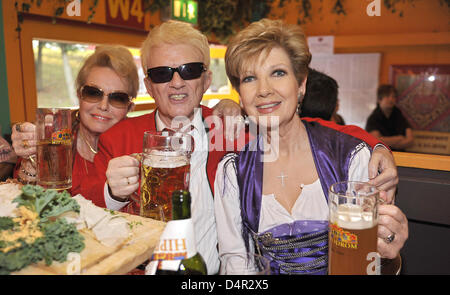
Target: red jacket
[126, 137]
[83, 178]
[352, 130]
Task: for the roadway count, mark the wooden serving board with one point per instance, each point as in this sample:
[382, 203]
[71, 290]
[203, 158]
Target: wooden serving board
[98, 259]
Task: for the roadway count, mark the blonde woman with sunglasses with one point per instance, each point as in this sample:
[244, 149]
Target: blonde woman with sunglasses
[106, 83]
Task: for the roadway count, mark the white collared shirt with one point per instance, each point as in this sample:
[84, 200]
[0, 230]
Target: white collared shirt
[202, 202]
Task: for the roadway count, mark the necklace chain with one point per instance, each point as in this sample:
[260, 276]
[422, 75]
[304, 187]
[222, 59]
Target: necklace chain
[88, 144]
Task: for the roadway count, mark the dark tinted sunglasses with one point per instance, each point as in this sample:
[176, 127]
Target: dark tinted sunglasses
[94, 94]
[187, 71]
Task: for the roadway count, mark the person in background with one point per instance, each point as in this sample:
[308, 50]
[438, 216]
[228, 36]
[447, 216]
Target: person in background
[259, 202]
[320, 97]
[387, 122]
[105, 85]
[338, 119]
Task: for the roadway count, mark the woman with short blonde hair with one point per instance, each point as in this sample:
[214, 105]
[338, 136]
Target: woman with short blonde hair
[259, 38]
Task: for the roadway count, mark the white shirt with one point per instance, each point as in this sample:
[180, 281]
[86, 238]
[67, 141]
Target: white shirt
[312, 205]
[202, 202]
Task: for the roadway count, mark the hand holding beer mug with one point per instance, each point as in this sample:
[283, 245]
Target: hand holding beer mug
[353, 228]
[54, 148]
[165, 168]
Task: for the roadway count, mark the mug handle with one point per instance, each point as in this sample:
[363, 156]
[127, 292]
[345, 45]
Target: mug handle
[134, 206]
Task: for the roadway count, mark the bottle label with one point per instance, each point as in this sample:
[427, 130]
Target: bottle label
[177, 242]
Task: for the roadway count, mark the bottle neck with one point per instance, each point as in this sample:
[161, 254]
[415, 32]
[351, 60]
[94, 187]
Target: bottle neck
[181, 205]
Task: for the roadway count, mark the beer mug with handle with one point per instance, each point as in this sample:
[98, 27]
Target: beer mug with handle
[353, 227]
[54, 148]
[165, 167]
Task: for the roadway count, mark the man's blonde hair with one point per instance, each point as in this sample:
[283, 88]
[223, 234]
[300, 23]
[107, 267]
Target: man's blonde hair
[175, 32]
[117, 58]
[261, 37]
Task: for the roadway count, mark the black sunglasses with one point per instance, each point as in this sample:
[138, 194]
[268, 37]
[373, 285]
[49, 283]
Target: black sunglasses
[187, 71]
[118, 99]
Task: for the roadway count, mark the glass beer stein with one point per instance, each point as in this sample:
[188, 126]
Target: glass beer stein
[54, 148]
[165, 167]
[353, 227]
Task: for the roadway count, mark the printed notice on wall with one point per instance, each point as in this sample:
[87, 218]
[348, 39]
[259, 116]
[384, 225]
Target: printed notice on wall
[357, 76]
[321, 45]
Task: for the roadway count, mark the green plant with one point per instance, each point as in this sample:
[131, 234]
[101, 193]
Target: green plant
[222, 18]
[392, 5]
[59, 6]
[155, 5]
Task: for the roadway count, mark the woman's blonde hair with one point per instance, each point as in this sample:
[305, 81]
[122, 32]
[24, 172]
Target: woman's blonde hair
[262, 36]
[175, 32]
[117, 58]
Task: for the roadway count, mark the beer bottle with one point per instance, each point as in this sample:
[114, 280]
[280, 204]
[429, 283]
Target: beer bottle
[177, 253]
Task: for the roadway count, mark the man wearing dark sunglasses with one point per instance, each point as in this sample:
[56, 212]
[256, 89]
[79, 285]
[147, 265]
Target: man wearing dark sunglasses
[175, 57]
[189, 71]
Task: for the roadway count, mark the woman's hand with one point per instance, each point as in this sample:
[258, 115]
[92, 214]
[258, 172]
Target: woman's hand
[123, 176]
[24, 139]
[27, 172]
[392, 229]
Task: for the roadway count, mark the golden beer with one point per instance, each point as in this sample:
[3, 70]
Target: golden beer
[54, 148]
[161, 175]
[352, 236]
[353, 228]
[54, 169]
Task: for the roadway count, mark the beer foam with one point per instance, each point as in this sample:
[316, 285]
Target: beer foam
[159, 159]
[351, 216]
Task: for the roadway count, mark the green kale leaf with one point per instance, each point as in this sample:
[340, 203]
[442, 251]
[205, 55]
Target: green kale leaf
[6, 223]
[62, 202]
[61, 238]
[21, 257]
[47, 203]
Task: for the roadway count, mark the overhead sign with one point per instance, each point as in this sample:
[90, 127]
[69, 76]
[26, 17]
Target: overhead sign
[185, 10]
[125, 13]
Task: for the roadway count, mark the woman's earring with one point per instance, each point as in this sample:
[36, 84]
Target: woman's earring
[299, 102]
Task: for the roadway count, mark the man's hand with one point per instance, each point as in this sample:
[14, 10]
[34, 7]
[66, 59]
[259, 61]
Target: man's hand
[232, 114]
[382, 161]
[123, 176]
